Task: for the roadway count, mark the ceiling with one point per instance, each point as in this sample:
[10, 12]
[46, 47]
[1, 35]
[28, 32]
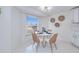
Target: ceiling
[35, 10]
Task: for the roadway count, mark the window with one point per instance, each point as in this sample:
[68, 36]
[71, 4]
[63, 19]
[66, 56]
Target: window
[32, 21]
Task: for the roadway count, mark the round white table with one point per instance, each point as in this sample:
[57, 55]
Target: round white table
[44, 36]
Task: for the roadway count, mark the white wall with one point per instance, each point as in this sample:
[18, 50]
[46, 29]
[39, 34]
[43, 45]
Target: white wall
[12, 23]
[5, 29]
[19, 37]
[43, 21]
[17, 27]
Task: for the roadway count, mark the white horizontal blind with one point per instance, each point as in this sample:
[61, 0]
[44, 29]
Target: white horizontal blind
[76, 15]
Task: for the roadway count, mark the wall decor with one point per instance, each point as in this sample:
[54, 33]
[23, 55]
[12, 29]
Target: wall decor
[61, 18]
[57, 24]
[52, 20]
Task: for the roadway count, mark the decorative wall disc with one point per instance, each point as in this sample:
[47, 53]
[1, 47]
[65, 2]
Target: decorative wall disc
[61, 18]
[52, 20]
[57, 24]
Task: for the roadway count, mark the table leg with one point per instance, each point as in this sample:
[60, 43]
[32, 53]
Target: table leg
[44, 43]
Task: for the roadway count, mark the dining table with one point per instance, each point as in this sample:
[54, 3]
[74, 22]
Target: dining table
[44, 36]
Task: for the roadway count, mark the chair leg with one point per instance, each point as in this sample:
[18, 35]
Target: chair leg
[45, 43]
[42, 43]
[51, 47]
[33, 46]
[37, 47]
[55, 46]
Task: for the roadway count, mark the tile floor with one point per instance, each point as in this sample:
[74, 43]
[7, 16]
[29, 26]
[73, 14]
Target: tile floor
[62, 47]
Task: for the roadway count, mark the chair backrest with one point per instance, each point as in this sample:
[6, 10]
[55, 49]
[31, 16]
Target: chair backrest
[35, 38]
[53, 38]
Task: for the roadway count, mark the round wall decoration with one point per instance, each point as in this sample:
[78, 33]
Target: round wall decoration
[61, 18]
[52, 20]
[57, 24]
